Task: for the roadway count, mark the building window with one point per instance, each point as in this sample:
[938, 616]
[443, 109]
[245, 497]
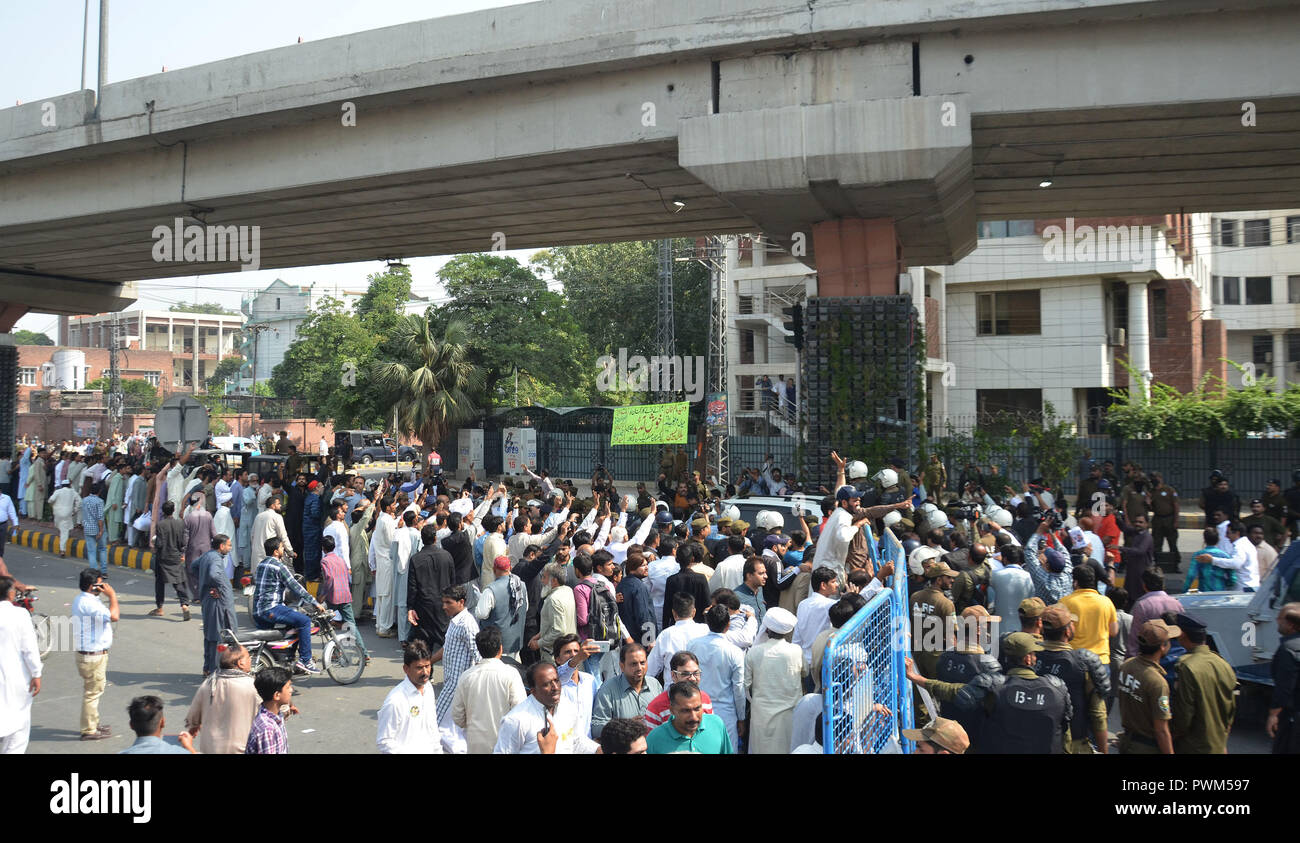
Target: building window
[1293, 229]
[1216, 290]
[1261, 348]
[27, 376]
[990, 229]
[1259, 290]
[1013, 313]
[995, 405]
[1293, 289]
[1256, 232]
[277, 302]
[152, 378]
[1160, 314]
[1293, 347]
[1227, 232]
[1231, 290]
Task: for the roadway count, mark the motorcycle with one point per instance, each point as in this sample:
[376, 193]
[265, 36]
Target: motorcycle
[341, 654]
[44, 637]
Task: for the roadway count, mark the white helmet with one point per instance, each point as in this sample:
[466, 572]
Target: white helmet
[769, 520]
[928, 507]
[1002, 518]
[856, 470]
[732, 512]
[886, 477]
[892, 518]
[936, 520]
[629, 503]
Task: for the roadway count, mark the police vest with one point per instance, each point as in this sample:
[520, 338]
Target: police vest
[1067, 665]
[1026, 718]
[962, 668]
[507, 615]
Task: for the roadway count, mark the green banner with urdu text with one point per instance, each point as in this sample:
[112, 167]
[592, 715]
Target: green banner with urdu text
[651, 424]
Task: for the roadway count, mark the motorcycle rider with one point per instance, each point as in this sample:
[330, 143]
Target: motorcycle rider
[273, 577]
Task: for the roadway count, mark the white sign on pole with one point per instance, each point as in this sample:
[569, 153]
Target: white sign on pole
[528, 446]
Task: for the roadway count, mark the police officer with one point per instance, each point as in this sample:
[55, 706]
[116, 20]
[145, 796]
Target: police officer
[1282, 725]
[931, 611]
[958, 667]
[1025, 713]
[1204, 703]
[1031, 619]
[1144, 694]
[1163, 500]
[941, 737]
[1085, 677]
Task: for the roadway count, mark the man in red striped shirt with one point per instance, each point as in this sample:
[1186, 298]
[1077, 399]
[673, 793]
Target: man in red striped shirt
[684, 667]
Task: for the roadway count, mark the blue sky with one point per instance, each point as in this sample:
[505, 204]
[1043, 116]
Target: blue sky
[41, 57]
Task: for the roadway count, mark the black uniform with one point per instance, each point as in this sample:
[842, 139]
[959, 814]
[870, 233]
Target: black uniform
[1214, 499]
[1027, 713]
[1088, 682]
[431, 570]
[961, 668]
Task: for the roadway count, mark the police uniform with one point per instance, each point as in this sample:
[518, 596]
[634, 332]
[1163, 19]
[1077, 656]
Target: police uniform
[1144, 694]
[1085, 677]
[1025, 713]
[1164, 521]
[930, 602]
[956, 668]
[1204, 704]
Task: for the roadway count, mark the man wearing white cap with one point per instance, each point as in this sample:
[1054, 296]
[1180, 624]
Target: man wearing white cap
[774, 670]
[224, 523]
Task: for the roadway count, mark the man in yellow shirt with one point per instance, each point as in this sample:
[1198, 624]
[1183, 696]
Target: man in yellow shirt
[1097, 619]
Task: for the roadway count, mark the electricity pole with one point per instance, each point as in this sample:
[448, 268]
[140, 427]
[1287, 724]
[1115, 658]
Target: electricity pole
[718, 351]
[666, 334]
[257, 330]
[115, 379]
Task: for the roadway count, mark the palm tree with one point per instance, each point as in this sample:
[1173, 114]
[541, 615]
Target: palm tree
[432, 383]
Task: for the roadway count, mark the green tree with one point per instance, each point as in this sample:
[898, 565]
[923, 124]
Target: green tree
[31, 338]
[612, 289]
[202, 307]
[386, 295]
[431, 383]
[512, 321]
[227, 369]
[325, 365]
[137, 395]
[263, 390]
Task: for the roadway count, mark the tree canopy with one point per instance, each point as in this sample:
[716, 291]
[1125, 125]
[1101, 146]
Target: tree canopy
[202, 307]
[31, 338]
[138, 395]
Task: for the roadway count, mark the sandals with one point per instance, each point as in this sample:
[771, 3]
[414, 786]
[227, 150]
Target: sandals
[156, 613]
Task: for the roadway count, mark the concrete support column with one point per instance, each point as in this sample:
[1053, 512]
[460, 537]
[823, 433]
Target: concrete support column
[1279, 356]
[1139, 332]
[9, 390]
[857, 257]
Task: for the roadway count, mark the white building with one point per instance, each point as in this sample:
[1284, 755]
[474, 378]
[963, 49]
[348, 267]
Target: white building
[1256, 286]
[281, 308]
[1029, 323]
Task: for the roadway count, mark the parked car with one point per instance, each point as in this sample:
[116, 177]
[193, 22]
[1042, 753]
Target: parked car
[367, 445]
[236, 443]
[786, 506]
[405, 453]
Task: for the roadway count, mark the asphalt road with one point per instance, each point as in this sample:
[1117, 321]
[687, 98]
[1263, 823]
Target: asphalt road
[164, 657]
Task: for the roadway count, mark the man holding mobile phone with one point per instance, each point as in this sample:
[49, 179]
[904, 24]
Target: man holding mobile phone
[92, 626]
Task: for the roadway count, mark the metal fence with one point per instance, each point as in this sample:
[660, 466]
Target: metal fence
[863, 668]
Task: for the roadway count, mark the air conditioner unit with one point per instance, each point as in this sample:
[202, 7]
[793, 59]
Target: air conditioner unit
[1119, 337]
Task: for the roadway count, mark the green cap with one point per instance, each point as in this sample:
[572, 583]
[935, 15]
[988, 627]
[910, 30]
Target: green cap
[1017, 645]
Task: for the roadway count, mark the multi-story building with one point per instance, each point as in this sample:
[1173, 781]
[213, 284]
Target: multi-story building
[45, 367]
[275, 315]
[1055, 311]
[196, 341]
[1256, 291]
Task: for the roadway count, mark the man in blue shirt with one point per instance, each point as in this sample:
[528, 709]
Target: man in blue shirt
[273, 577]
[690, 729]
[146, 716]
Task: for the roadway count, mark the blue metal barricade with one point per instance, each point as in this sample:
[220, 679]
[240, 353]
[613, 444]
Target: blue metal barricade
[863, 668]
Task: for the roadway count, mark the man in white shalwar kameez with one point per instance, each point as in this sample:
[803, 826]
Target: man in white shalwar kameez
[67, 509]
[224, 523]
[381, 565]
[247, 515]
[20, 674]
[774, 670]
[406, 542]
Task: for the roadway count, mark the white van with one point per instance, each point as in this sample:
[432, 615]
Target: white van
[236, 443]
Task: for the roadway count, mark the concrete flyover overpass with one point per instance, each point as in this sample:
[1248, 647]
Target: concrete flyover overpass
[871, 134]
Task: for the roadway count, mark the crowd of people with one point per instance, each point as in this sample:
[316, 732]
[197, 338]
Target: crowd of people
[629, 622]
